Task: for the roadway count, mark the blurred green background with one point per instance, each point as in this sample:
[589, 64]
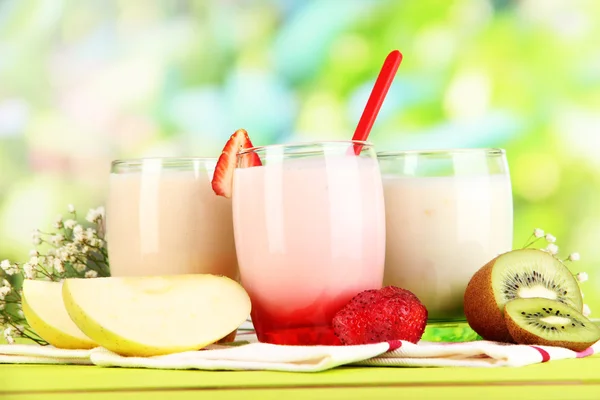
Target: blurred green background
[83, 82]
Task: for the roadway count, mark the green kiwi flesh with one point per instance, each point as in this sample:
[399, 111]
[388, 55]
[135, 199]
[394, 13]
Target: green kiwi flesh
[534, 273]
[549, 322]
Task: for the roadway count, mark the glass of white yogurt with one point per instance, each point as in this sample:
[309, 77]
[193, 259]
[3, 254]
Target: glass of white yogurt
[448, 212]
[163, 218]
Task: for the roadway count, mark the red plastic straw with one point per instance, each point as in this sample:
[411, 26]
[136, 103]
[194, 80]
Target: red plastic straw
[380, 90]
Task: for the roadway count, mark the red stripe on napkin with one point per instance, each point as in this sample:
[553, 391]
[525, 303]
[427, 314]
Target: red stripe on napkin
[587, 352]
[394, 344]
[544, 353]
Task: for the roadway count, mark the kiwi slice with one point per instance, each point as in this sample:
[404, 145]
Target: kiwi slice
[549, 322]
[524, 273]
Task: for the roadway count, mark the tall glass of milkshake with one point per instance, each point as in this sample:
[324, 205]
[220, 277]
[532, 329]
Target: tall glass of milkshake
[163, 219]
[309, 226]
[448, 212]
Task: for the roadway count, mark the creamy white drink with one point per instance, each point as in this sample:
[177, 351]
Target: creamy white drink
[164, 218]
[441, 229]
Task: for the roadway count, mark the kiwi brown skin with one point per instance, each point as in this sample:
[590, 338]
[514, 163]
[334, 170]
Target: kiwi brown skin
[481, 310]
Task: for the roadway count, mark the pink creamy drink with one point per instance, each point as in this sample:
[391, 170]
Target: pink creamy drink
[310, 234]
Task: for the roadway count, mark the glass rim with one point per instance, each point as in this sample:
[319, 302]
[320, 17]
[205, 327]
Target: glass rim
[488, 151]
[136, 162]
[284, 146]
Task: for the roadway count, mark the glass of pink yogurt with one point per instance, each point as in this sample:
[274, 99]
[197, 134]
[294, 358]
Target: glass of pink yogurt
[163, 219]
[309, 225]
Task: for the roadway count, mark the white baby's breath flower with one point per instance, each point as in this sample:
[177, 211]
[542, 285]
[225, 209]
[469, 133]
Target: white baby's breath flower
[34, 253]
[8, 268]
[573, 257]
[61, 254]
[34, 261]
[90, 234]
[36, 237]
[538, 233]
[57, 239]
[29, 271]
[8, 335]
[5, 265]
[71, 208]
[550, 238]
[95, 215]
[552, 248]
[586, 311]
[58, 266]
[58, 222]
[78, 234]
[582, 276]
[6, 283]
[5, 291]
[91, 274]
[65, 253]
[70, 223]
[69, 252]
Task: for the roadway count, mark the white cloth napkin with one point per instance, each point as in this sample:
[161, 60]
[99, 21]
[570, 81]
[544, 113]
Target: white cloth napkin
[473, 354]
[35, 354]
[262, 356]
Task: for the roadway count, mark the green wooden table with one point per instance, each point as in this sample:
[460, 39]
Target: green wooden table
[567, 379]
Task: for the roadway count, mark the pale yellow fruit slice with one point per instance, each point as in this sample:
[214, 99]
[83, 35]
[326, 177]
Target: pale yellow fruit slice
[148, 316]
[46, 314]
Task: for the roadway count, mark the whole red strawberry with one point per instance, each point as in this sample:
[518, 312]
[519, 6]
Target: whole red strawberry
[374, 316]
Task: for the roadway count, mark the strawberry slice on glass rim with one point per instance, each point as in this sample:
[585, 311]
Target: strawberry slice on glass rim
[222, 182]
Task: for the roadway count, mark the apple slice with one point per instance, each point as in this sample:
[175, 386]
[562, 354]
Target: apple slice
[46, 314]
[149, 316]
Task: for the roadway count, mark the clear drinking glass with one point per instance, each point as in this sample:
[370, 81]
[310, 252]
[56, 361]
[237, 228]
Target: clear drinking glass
[309, 226]
[448, 212]
[164, 219]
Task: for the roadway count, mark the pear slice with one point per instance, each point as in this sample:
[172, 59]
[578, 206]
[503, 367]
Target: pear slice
[149, 316]
[46, 314]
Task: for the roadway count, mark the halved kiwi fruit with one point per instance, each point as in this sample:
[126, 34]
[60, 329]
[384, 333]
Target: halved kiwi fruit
[549, 322]
[524, 273]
